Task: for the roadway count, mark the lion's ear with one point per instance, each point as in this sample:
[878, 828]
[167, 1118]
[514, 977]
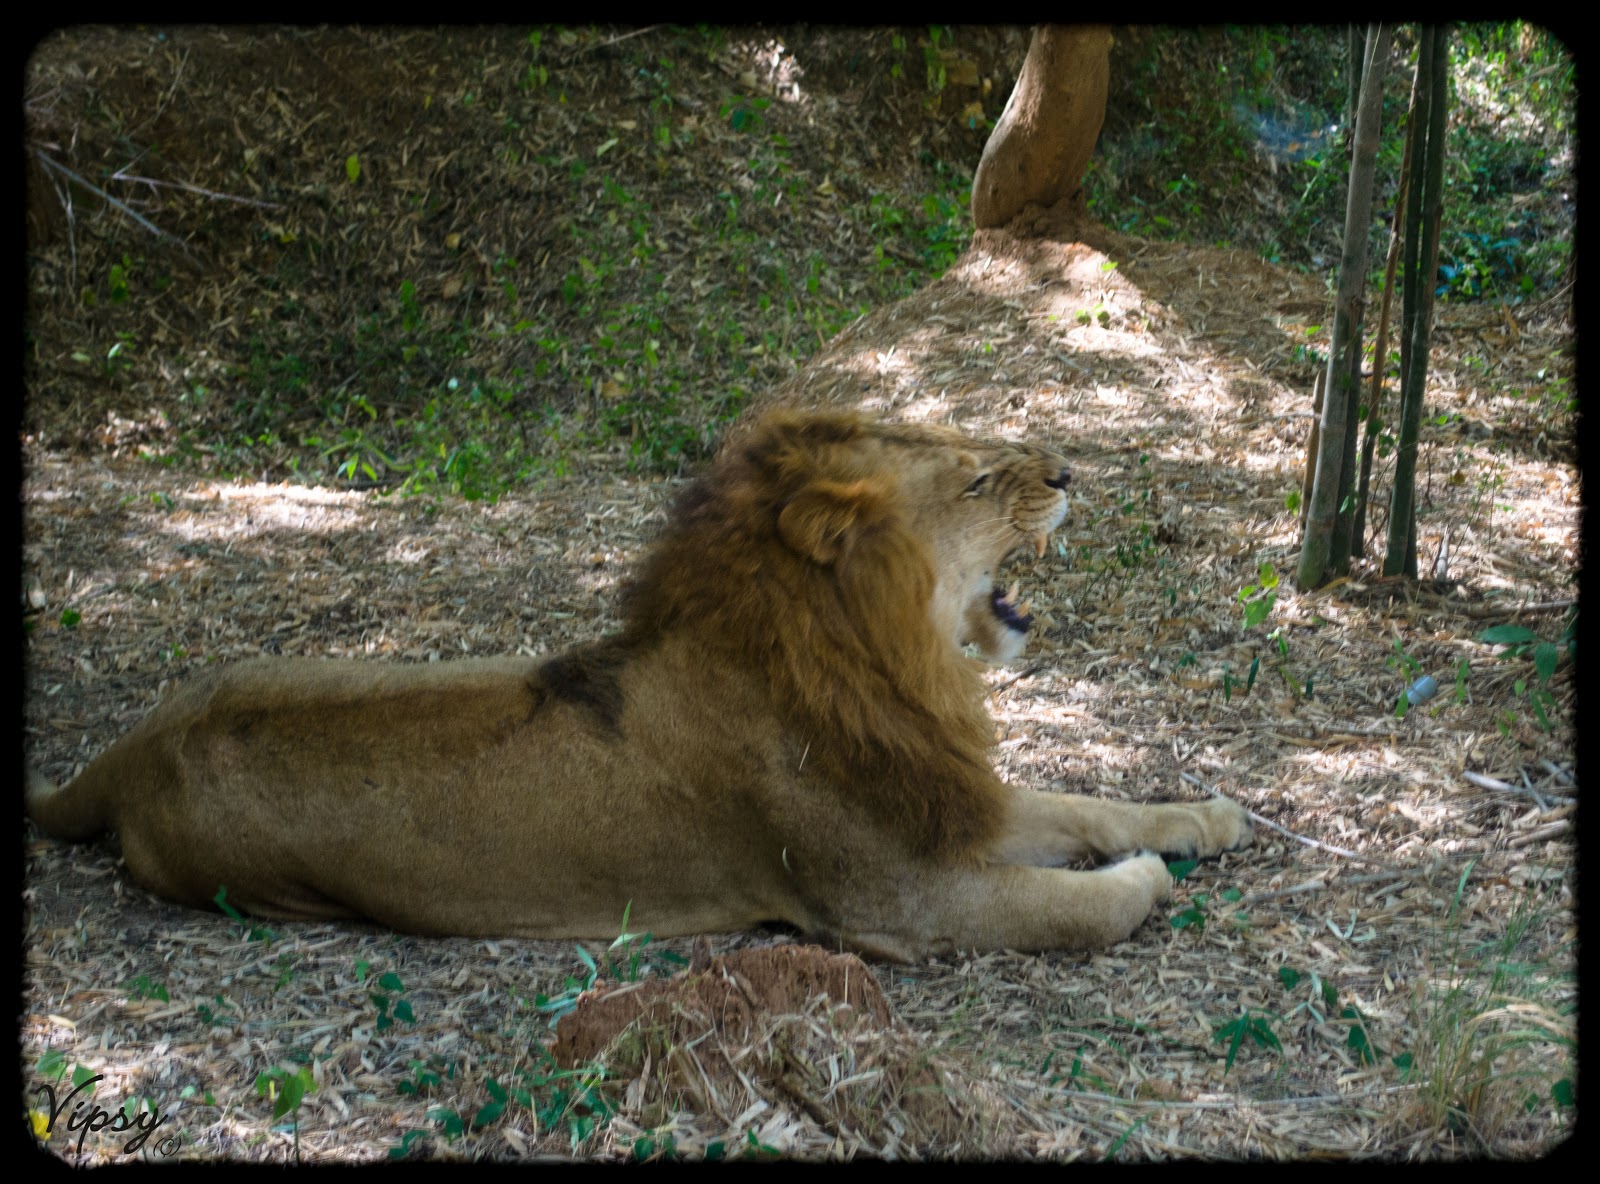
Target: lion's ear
[822, 521]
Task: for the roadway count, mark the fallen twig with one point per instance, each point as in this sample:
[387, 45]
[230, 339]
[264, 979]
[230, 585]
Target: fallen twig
[1550, 830]
[1555, 770]
[601, 45]
[1318, 883]
[119, 175]
[1229, 1103]
[1484, 782]
[1510, 610]
[123, 206]
[1028, 673]
[1267, 822]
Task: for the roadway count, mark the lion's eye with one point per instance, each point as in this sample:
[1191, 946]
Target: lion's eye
[977, 486]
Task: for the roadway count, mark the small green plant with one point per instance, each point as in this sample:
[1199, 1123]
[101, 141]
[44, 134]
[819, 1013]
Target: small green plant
[144, 987]
[1194, 915]
[1259, 598]
[1251, 1024]
[1358, 1041]
[119, 358]
[117, 280]
[742, 114]
[556, 1006]
[652, 1146]
[402, 1148]
[1323, 994]
[754, 1148]
[218, 1016]
[1121, 1140]
[1077, 1077]
[286, 1089]
[390, 982]
[70, 618]
[53, 1064]
[570, 1098]
[252, 932]
[1409, 668]
[284, 964]
[425, 1076]
[634, 944]
[1521, 641]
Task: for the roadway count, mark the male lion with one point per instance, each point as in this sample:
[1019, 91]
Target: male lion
[786, 729]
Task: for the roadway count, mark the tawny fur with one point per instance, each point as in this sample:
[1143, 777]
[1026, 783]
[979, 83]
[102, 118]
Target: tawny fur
[785, 729]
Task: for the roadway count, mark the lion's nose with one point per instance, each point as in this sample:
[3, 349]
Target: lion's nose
[1059, 481]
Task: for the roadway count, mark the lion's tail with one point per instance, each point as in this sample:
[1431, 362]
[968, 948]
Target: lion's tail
[74, 813]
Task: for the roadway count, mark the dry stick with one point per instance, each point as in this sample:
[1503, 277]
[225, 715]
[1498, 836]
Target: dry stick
[1542, 606]
[1000, 686]
[120, 175]
[109, 200]
[1478, 612]
[1090, 1095]
[1484, 782]
[1550, 830]
[64, 196]
[1318, 883]
[614, 40]
[1267, 822]
[1556, 770]
[1533, 791]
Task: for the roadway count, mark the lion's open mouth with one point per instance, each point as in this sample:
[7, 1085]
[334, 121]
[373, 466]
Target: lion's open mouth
[1003, 603]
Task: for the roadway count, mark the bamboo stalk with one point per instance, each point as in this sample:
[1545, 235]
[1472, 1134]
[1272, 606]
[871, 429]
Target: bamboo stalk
[1422, 223]
[1380, 353]
[1318, 548]
[1312, 443]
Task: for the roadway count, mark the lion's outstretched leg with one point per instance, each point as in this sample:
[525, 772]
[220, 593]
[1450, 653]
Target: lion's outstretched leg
[1018, 908]
[1055, 828]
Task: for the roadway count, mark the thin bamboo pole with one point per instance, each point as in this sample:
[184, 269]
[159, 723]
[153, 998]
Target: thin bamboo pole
[1336, 442]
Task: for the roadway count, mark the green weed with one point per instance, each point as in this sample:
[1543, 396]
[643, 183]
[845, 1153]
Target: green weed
[1497, 1024]
[286, 1089]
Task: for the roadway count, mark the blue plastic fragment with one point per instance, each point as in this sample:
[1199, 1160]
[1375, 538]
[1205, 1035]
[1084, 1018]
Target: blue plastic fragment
[1422, 690]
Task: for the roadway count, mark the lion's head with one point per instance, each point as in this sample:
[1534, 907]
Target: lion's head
[849, 562]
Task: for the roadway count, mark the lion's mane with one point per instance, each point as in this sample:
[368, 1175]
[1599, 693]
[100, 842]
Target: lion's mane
[794, 556]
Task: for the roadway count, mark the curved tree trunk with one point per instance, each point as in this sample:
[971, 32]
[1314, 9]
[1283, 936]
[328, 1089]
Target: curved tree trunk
[1042, 143]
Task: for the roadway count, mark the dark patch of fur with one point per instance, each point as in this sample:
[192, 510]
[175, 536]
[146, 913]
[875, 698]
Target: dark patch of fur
[590, 677]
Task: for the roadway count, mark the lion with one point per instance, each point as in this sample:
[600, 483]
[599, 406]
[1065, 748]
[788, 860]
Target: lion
[786, 729]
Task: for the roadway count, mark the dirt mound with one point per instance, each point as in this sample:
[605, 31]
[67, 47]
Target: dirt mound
[728, 994]
[791, 1029]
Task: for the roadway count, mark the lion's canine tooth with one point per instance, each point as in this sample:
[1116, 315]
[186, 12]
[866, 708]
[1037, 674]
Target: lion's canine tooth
[1025, 608]
[1039, 544]
[1011, 594]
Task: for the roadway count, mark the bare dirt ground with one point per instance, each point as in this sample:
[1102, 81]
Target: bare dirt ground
[1184, 409]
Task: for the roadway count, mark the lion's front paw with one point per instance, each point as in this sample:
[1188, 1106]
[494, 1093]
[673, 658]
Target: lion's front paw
[1149, 871]
[1199, 831]
[1228, 826]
